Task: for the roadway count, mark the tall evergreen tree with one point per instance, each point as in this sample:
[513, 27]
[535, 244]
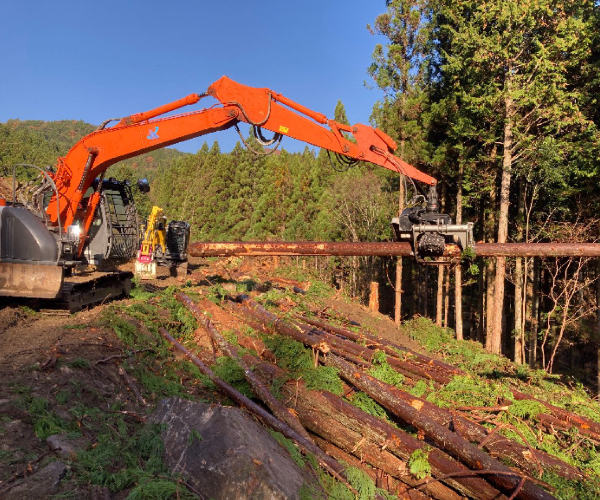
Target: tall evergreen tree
[398, 69]
[507, 65]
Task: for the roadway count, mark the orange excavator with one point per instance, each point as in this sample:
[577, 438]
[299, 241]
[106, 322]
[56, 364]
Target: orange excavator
[44, 241]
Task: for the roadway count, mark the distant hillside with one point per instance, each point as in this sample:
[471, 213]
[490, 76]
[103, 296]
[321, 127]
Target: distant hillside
[41, 143]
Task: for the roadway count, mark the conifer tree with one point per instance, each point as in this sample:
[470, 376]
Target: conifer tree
[507, 66]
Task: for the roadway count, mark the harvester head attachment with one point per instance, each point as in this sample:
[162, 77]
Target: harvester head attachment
[431, 234]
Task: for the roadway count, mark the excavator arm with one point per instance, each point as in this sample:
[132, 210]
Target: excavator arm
[261, 108]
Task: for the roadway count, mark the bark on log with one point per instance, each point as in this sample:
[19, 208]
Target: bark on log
[393, 484]
[495, 444]
[330, 464]
[407, 368]
[324, 342]
[584, 425]
[329, 416]
[328, 248]
[278, 409]
[387, 346]
[444, 438]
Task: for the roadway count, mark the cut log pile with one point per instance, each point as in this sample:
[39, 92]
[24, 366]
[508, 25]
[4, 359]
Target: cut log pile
[464, 458]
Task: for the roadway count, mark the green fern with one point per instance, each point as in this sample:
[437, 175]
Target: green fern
[418, 464]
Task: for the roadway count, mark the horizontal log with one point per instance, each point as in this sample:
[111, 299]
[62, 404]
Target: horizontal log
[330, 248]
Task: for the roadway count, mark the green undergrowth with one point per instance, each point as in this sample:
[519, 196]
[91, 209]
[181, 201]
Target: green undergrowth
[418, 464]
[299, 362]
[476, 361]
[381, 370]
[45, 420]
[122, 460]
[490, 381]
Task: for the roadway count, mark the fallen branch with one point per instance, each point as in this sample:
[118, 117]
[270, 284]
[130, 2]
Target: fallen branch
[132, 386]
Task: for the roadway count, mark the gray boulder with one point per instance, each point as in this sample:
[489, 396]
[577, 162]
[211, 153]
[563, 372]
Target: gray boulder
[226, 455]
[43, 484]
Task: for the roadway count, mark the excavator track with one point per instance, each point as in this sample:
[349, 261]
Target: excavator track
[91, 288]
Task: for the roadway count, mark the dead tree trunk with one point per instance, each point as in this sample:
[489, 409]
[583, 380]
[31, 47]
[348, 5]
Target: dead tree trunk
[458, 314]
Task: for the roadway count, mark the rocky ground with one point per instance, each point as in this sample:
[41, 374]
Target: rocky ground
[97, 405]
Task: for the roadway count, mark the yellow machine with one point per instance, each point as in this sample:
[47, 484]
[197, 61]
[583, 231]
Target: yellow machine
[164, 245]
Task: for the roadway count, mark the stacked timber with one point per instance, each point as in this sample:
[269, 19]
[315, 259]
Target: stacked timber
[466, 456]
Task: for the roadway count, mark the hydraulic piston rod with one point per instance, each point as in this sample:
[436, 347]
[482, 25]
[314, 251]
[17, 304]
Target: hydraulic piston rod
[213, 249]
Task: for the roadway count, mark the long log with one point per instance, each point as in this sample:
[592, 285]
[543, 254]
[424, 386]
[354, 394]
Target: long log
[259, 313]
[278, 409]
[328, 248]
[385, 345]
[253, 311]
[440, 435]
[497, 445]
[330, 464]
[324, 342]
[407, 368]
[332, 418]
[558, 417]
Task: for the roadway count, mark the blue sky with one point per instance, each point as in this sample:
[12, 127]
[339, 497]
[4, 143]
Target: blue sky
[96, 60]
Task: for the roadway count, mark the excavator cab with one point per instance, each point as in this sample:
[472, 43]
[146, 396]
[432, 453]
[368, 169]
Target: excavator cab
[431, 234]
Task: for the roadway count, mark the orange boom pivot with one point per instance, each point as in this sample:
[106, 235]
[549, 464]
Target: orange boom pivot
[144, 132]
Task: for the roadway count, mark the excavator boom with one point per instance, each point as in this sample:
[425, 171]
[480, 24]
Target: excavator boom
[77, 184]
[260, 107]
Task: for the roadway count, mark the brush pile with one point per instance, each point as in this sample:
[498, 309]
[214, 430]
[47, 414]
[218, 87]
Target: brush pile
[419, 427]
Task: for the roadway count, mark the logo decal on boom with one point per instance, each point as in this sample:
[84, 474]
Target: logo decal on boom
[153, 134]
